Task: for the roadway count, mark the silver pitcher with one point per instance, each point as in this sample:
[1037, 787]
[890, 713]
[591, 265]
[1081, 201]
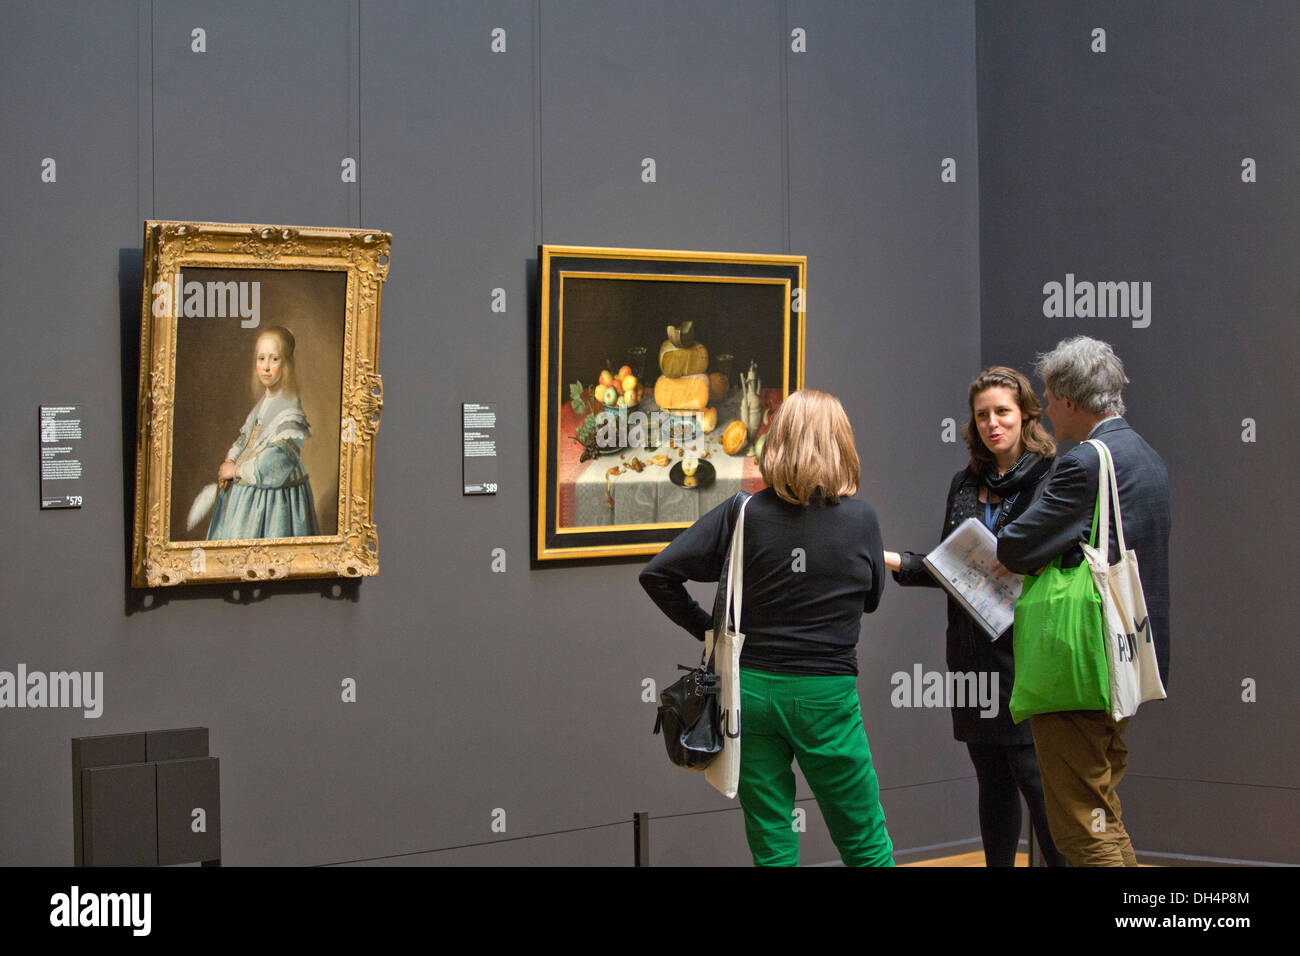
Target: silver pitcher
[751, 402]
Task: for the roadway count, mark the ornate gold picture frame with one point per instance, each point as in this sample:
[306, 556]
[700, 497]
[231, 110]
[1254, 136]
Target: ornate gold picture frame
[259, 402]
[658, 371]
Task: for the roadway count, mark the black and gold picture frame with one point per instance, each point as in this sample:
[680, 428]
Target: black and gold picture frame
[658, 373]
[259, 403]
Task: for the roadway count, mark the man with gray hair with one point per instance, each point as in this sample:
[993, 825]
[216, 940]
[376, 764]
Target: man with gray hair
[1081, 754]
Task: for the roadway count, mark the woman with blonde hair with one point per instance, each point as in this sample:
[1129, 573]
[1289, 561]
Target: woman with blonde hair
[813, 565]
[1010, 453]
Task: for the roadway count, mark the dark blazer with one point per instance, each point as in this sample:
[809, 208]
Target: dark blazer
[1062, 517]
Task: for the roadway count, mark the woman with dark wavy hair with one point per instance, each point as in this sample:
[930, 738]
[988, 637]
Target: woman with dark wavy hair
[1010, 453]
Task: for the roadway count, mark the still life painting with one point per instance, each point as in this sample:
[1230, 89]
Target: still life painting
[659, 372]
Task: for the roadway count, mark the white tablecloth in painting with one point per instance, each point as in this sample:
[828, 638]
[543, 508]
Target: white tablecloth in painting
[649, 497]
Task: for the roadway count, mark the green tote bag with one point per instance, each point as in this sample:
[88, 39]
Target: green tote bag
[1059, 642]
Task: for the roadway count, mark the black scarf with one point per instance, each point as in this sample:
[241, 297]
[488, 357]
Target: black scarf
[1023, 476]
[1026, 472]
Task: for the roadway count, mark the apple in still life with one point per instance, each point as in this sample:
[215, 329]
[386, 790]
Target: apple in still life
[622, 390]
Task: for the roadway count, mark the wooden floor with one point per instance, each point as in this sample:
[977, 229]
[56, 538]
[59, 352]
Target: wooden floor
[975, 858]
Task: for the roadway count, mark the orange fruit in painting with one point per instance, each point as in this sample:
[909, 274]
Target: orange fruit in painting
[734, 438]
[629, 381]
[624, 372]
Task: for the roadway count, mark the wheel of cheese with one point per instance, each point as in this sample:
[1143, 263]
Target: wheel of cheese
[688, 392]
[680, 362]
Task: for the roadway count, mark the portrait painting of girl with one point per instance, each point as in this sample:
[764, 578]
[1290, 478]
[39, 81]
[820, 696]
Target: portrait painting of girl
[259, 401]
[264, 490]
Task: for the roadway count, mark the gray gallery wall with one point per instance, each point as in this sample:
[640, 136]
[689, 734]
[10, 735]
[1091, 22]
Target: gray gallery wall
[475, 690]
[1127, 165]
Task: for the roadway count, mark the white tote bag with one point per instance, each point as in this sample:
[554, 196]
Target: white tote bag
[724, 772]
[1130, 650]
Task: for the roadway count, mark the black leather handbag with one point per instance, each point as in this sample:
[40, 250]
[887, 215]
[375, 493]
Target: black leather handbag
[689, 712]
[689, 717]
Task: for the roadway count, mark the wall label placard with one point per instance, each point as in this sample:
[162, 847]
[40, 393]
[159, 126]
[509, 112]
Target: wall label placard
[479, 448]
[61, 456]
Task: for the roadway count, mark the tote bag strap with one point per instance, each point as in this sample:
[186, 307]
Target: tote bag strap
[723, 598]
[1109, 465]
[1101, 511]
[736, 570]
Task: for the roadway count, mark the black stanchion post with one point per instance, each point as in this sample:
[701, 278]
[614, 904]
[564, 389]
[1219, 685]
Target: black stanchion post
[640, 838]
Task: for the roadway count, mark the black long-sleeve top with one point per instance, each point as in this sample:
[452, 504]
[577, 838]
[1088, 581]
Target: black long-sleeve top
[811, 572]
[968, 649]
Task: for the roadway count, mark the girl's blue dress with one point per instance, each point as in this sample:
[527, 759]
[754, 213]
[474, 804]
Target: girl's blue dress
[272, 496]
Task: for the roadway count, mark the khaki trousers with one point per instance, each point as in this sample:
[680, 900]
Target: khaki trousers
[1082, 758]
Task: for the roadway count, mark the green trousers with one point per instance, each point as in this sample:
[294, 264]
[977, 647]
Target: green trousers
[817, 721]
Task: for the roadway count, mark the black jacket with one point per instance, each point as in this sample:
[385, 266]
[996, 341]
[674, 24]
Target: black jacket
[969, 649]
[1062, 516]
[811, 572]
